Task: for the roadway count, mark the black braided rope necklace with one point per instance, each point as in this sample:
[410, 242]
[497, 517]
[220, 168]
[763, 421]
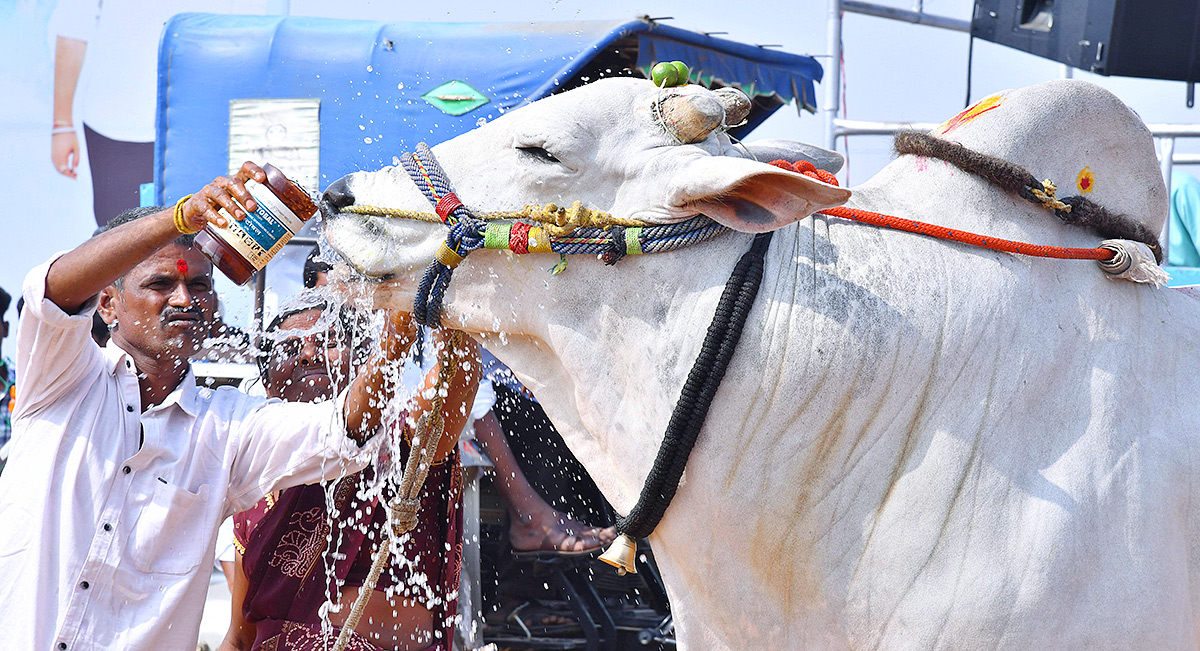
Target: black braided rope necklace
[697, 395]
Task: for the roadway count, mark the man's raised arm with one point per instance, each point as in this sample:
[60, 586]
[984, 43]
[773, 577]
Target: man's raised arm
[81, 273]
[368, 394]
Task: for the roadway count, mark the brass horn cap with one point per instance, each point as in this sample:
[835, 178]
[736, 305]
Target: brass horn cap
[622, 554]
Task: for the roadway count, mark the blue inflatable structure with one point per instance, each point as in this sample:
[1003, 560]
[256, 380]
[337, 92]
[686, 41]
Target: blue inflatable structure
[384, 87]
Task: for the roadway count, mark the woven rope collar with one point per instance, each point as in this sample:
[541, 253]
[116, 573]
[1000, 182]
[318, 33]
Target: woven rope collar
[566, 231]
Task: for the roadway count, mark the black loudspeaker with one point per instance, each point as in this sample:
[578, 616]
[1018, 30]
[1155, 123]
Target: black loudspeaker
[1157, 39]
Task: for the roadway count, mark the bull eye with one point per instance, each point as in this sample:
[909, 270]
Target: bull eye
[539, 153]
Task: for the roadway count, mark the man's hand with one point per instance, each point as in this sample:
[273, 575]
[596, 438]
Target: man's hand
[399, 333]
[64, 152]
[227, 193]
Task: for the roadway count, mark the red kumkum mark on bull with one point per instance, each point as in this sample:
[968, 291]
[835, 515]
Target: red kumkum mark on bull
[1086, 180]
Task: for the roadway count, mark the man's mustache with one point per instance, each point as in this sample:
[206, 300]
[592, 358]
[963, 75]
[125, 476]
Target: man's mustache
[171, 311]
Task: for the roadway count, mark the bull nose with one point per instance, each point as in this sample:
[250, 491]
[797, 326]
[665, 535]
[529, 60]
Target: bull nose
[338, 195]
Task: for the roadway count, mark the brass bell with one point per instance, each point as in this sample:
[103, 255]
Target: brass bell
[622, 554]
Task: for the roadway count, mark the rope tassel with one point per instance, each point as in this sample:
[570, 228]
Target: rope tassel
[1132, 261]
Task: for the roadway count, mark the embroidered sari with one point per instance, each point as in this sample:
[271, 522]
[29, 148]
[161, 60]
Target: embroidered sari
[285, 545]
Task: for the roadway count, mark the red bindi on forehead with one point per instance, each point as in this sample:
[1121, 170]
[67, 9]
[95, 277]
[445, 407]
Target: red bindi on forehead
[181, 265]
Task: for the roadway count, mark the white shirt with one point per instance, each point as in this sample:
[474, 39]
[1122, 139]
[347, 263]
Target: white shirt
[105, 544]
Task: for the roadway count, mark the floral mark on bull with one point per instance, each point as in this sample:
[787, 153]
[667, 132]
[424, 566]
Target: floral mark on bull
[1086, 180]
[970, 113]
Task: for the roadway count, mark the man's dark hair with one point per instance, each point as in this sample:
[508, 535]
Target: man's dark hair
[138, 213]
[5, 301]
[313, 266]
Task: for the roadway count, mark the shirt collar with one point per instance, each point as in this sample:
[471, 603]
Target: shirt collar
[185, 394]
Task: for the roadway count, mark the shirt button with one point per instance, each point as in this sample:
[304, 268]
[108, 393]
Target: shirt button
[126, 470]
[85, 585]
[62, 645]
[128, 407]
[107, 527]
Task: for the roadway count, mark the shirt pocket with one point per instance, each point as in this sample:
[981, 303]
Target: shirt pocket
[17, 530]
[171, 534]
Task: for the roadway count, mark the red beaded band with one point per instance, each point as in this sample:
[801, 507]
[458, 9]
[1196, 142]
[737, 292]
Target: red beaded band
[518, 238]
[446, 205]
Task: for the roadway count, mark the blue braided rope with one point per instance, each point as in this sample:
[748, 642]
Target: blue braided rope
[655, 239]
[465, 236]
[663, 244]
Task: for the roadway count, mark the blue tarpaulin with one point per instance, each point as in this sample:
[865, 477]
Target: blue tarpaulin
[370, 79]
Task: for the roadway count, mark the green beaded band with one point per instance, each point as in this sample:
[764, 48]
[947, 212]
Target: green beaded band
[633, 242]
[496, 235]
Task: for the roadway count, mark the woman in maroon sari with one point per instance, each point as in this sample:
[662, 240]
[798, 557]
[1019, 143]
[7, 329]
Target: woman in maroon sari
[292, 562]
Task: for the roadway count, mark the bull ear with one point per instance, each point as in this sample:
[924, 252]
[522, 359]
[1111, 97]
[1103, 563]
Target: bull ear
[791, 151]
[749, 196]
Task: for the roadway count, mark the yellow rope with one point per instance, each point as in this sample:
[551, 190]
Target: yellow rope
[402, 508]
[558, 220]
[1049, 201]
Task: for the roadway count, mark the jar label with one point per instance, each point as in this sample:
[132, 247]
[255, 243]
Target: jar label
[263, 232]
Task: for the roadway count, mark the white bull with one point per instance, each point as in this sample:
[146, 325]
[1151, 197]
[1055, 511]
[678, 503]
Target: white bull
[918, 444]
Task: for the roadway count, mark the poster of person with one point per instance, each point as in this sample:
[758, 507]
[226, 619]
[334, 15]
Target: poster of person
[78, 143]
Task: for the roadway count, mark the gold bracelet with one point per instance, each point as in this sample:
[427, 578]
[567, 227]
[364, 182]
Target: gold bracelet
[181, 225]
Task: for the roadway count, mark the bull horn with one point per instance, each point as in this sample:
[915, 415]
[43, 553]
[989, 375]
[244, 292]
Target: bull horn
[736, 103]
[690, 117]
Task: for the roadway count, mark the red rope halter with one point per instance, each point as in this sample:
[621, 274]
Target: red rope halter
[941, 232]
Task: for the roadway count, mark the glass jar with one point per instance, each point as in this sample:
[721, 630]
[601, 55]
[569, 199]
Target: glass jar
[241, 248]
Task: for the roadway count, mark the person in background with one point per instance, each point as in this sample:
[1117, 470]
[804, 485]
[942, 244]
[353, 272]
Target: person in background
[121, 468]
[1184, 232]
[316, 271]
[8, 381]
[536, 529]
[286, 569]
